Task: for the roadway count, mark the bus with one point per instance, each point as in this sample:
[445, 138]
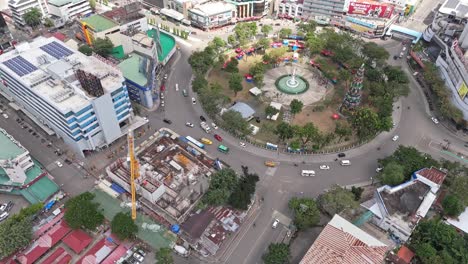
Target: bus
[307, 173]
[223, 149]
[195, 142]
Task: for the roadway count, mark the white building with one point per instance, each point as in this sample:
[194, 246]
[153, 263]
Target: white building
[212, 15]
[290, 8]
[14, 159]
[20, 7]
[69, 9]
[82, 99]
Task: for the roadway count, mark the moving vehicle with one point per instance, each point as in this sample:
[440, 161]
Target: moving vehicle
[218, 137]
[345, 163]
[193, 100]
[270, 163]
[184, 93]
[5, 116]
[395, 138]
[324, 167]
[202, 118]
[341, 155]
[189, 124]
[275, 224]
[214, 125]
[195, 142]
[223, 149]
[3, 207]
[308, 173]
[379, 169]
[165, 76]
[167, 121]
[59, 164]
[205, 127]
[242, 144]
[206, 141]
[177, 87]
[435, 120]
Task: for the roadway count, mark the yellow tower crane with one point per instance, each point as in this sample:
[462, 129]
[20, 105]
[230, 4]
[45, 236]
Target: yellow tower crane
[134, 170]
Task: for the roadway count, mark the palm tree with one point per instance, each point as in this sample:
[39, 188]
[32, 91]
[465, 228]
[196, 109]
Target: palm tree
[33, 17]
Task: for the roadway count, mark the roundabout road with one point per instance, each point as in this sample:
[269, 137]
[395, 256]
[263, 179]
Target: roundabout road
[277, 185]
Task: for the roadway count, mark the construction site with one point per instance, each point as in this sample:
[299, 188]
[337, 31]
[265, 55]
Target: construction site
[171, 177]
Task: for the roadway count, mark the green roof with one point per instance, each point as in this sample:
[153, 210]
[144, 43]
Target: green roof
[8, 149]
[167, 43]
[130, 69]
[99, 23]
[31, 174]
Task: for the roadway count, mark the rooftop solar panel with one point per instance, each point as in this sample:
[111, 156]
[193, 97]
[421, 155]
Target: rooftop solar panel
[56, 50]
[20, 66]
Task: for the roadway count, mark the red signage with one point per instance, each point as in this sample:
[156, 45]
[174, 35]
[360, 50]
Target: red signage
[370, 9]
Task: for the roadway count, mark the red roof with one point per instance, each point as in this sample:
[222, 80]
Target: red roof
[97, 253]
[405, 254]
[44, 243]
[433, 174]
[59, 36]
[337, 243]
[77, 240]
[116, 255]
[59, 256]
[46, 227]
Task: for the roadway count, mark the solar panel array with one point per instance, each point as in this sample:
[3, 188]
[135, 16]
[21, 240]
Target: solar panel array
[56, 50]
[20, 66]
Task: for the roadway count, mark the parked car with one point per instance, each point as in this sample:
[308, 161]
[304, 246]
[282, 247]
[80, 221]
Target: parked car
[138, 257]
[202, 118]
[59, 164]
[275, 223]
[395, 138]
[379, 169]
[341, 155]
[218, 137]
[324, 167]
[5, 116]
[189, 124]
[435, 120]
[3, 216]
[270, 163]
[167, 121]
[242, 144]
[193, 100]
[184, 93]
[165, 76]
[214, 125]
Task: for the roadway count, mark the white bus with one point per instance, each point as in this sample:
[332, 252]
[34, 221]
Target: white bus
[308, 173]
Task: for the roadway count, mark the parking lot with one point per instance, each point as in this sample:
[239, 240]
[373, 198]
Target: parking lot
[18, 202]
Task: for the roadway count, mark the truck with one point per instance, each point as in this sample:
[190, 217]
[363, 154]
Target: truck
[205, 127]
[181, 250]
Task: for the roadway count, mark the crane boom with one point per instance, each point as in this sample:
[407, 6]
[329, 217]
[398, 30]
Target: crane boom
[134, 170]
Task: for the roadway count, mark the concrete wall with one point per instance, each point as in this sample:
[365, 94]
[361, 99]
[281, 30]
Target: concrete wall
[107, 118]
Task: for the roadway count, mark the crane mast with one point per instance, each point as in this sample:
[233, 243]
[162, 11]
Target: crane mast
[134, 170]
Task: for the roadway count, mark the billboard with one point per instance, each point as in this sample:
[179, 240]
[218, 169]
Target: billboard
[463, 90]
[370, 9]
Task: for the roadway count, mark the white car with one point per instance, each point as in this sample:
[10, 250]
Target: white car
[145, 118]
[435, 120]
[242, 144]
[165, 76]
[162, 103]
[59, 164]
[395, 138]
[214, 125]
[139, 257]
[193, 100]
[5, 116]
[189, 124]
[275, 223]
[324, 167]
[379, 169]
[162, 96]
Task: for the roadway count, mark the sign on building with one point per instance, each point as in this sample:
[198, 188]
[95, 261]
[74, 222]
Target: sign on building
[370, 9]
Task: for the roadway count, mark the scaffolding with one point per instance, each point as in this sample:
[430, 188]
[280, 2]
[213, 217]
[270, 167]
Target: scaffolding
[90, 83]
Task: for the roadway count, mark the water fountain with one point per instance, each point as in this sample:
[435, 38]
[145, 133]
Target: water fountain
[292, 84]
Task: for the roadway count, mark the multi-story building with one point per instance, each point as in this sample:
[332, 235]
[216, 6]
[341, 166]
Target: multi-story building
[82, 99]
[5, 36]
[67, 10]
[325, 11]
[99, 26]
[14, 159]
[20, 7]
[290, 9]
[212, 15]
[250, 9]
[128, 17]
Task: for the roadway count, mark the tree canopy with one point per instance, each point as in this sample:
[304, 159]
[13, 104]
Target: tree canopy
[222, 183]
[277, 254]
[306, 213]
[284, 131]
[103, 47]
[337, 199]
[296, 106]
[373, 52]
[201, 61]
[366, 122]
[266, 29]
[343, 130]
[232, 66]
[199, 82]
[32, 17]
[164, 256]
[270, 111]
[82, 212]
[242, 194]
[86, 50]
[234, 122]
[123, 226]
[452, 205]
[235, 83]
[392, 174]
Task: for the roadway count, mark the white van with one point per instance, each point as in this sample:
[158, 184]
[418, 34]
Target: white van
[345, 163]
[307, 173]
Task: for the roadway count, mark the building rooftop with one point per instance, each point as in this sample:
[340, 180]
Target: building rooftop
[461, 222]
[99, 22]
[167, 43]
[457, 8]
[123, 15]
[132, 71]
[59, 256]
[244, 109]
[196, 223]
[433, 174]
[213, 8]
[49, 67]
[9, 147]
[344, 243]
[98, 252]
[143, 39]
[62, 2]
[77, 240]
[405, 200]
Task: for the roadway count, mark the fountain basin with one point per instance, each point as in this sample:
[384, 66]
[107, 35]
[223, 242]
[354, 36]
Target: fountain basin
[289, 85]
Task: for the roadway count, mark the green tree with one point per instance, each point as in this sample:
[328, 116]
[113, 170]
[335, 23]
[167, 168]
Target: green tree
[201, 62]
[366, 122]
[296, 106]
[264, 43]
[357, 191]
[32, 17]
[222, 183]
[285, 32]
[342, 130]
[392, 174]
[306, 133]
[306, 213]
[308, 27]
[103, 47]
[48, 22]
[232, 66]
[314, 44]
[284, 131]
[234, 122]
[426, 253]
[82, 212]
[218, 44]
[232, 40]
[458, 187]
[14, 235]
[86, 50]
[235, 83]
[164, 256]
[92, 4]
[266, 29]
[241, 196]
[123, 226]
[28, 212]
[277, 254]
[270, 111]
[452, 206]
[373, 52]
[199, 83]
[337, 199]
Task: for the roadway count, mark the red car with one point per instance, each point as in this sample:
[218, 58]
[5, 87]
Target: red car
[163, 88]
[218, 137]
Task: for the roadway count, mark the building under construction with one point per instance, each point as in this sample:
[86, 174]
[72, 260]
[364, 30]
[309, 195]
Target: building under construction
[173, 175]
